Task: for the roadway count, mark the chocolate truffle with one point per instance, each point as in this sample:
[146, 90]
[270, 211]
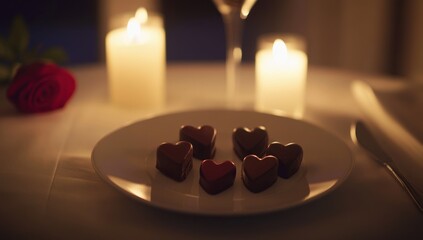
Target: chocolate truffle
[289, 156]
[174, 160]
[202, 138]
[258, 174]
[217, 177]
[246, 141]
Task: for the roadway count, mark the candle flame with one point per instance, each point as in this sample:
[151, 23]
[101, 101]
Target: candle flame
[133, 30]
[246, 7]
[141, 15]
[280, 51]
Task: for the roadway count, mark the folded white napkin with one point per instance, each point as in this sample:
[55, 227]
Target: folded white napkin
[396, 110]
[396, 102]
[405, 103]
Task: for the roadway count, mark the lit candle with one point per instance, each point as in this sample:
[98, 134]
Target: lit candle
[136, 63]
[281, 71]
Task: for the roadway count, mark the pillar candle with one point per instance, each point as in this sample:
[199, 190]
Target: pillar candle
[281, 71]
[136, 64]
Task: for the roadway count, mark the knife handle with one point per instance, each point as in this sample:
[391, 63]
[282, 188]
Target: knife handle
[411, 190]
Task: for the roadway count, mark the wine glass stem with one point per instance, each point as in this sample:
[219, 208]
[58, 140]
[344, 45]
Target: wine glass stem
[234, 29]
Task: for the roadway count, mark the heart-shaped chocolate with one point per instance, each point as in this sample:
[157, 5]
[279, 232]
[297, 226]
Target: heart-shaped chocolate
[247, 142]
[202, 138]
[174, 160]
[290, 157]
[259, 174]
[217, 177]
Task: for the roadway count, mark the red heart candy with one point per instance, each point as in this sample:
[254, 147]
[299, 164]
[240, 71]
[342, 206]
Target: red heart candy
[259, 174]
[290, 157]
[202, 138]
[247, 142]
[174, 160]
[217, 177]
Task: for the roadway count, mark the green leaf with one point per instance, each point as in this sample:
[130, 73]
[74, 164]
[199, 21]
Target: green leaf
[14, 70]
[19, 36]
[55, 54]
[6, 52]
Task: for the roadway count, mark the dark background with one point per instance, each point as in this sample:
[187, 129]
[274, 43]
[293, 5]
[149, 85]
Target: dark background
[194, 28]
[70, 24]
[336, 37]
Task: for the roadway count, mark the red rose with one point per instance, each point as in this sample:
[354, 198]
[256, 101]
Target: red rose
[41, 87]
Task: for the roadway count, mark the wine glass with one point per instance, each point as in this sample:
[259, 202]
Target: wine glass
[234, 12]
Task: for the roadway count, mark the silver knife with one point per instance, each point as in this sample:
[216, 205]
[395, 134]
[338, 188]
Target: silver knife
[362, 136]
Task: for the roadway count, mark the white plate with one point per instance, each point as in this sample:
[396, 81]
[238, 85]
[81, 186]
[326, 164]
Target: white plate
[126, 160]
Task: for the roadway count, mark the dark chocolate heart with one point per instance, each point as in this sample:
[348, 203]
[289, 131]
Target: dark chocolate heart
[217, 177]
[290, 157]
[174, 160]
[259, 173]
[248, 141]
[212, 171]
[202, 138]
[178, 152]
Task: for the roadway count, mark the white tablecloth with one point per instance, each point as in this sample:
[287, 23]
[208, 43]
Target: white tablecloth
[49, 190]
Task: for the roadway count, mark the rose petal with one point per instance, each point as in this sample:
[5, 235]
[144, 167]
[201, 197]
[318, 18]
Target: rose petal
[41, 87]
[45, 96]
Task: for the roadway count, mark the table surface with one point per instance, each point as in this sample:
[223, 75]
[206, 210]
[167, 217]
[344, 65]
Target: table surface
[50, 190]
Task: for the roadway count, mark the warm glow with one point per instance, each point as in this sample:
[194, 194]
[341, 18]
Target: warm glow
[141, 15]
[237, 53]
[280, 76]
[279, 50]
[136, 61]
[133, 30]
